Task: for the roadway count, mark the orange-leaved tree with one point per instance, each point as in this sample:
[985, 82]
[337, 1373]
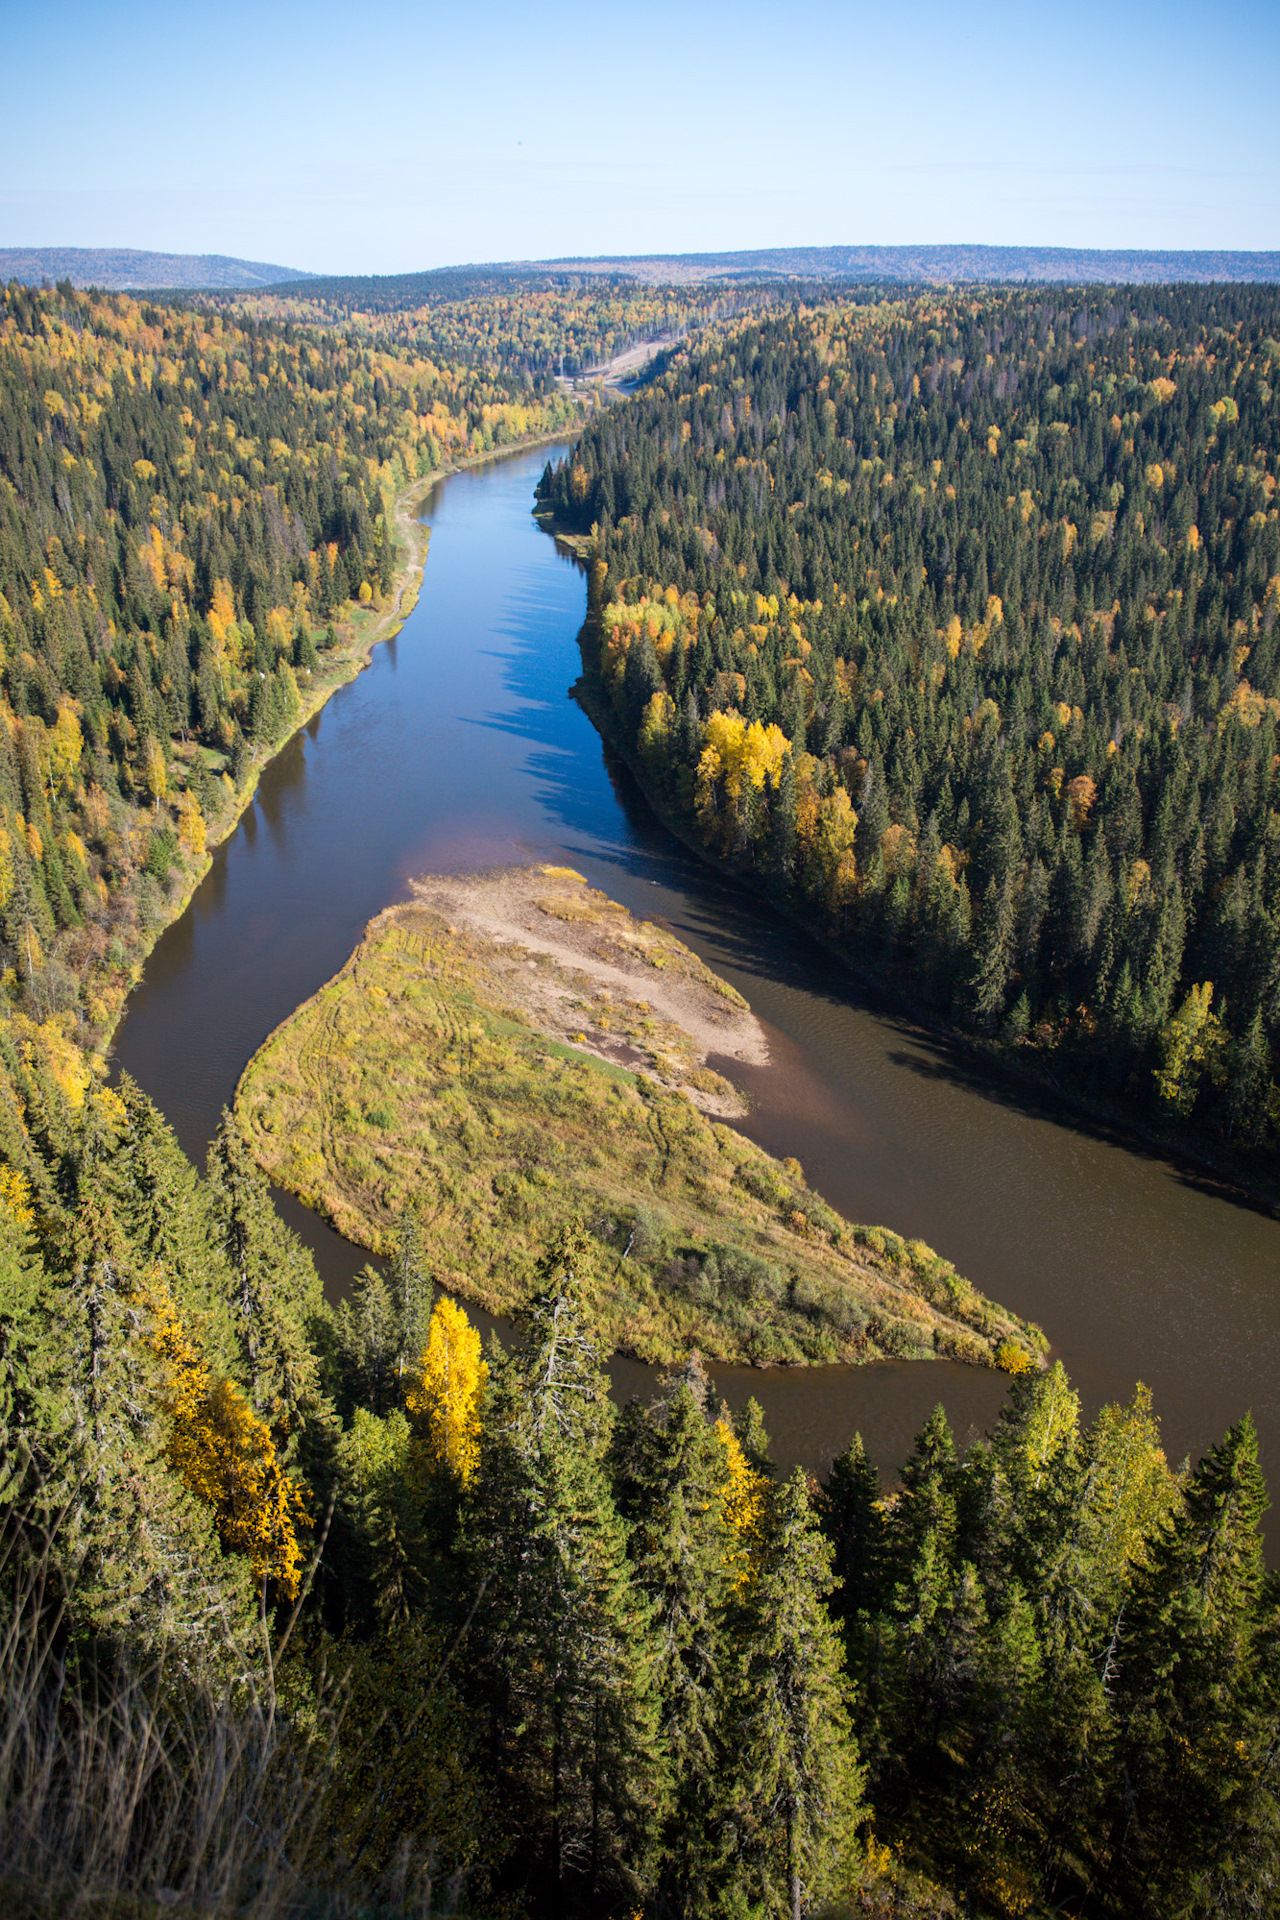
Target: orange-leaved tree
[225, 1454]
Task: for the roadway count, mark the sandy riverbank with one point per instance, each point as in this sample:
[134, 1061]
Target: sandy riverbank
[622, 989]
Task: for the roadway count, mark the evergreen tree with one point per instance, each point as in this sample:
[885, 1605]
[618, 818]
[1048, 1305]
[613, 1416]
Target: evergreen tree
[165, 1209]
[564, 1645]
[797, 1782]
[146, 1560]
[1194, 1790]
[682, 1555]
[274, 1291]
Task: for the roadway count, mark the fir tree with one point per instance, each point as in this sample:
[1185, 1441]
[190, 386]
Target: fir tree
[798, 1783]
[274, 1291]
[1190, 1783]
[564, 1645]
[682, 1553]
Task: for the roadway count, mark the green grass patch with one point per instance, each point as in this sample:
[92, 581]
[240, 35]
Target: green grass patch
[410, 1082]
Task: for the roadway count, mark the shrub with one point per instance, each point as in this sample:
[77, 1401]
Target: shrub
[744, 1276]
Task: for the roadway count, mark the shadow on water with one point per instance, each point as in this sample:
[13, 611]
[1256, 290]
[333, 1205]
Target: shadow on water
[461, 747]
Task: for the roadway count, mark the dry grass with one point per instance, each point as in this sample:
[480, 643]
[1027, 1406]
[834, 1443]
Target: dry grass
[413, 1081]
[138, 1784]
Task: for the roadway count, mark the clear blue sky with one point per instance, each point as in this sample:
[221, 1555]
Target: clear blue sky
[358, 138]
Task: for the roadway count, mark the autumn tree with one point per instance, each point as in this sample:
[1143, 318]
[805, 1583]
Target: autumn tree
[446, 1392]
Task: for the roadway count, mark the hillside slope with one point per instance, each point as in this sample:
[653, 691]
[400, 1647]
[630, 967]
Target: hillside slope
[121, 267]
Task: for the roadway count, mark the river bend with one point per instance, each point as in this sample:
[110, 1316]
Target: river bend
[459, 748]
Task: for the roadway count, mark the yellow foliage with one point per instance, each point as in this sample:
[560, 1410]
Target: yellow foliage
[64, 744]
[1011, 1358]
[191, 828]
[1130, 1484]
[1081, 794]
[1246, 705]
[280, 629]
[229, 1461]
[897, 849]
[64, 1062]
[1192, 1043]
[740, 755]
[15, 1197]
[745, 1504]
[656, 723]
[222, 613]
[224, 1453]
[448, 1389]
[1137, 882]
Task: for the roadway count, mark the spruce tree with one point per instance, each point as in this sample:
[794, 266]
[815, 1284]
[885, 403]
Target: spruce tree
[166, 1211]
[796, 1776]
[682, 1556]
[563, 1644]
[1194, 1776]
[937, 1611]
[852, 1515]
[275, 1302]
[142, 1554]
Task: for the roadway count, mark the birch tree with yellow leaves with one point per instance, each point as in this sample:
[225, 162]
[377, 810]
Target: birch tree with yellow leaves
[446, 1392]
[225, 1454]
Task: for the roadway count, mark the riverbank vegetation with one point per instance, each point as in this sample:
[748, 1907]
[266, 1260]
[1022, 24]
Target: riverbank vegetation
[953, 621]
[312, 1612]
[197, 543]
[430, 1076]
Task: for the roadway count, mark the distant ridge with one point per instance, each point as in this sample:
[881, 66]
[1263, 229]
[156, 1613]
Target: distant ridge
[936, 265]
[805, 268]
[124, 267]
[128, 267]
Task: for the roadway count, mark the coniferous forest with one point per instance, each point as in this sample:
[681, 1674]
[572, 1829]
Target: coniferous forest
[953, 621]
[300, 1599]
[949, 619]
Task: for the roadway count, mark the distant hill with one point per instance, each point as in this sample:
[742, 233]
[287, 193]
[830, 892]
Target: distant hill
[122, 267]
[934, 265]
[802, 267]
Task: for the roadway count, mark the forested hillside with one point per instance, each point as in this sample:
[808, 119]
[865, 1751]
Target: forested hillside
[953, 621]
[188, 504]
[124, 267]
[527, 328]
[299, 1600]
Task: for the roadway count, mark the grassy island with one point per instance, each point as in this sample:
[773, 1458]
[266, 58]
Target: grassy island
[509, 1050]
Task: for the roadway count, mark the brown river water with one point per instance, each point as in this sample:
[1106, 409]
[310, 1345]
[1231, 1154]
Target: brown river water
[459, 748]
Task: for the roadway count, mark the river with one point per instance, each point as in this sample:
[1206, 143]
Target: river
[459, 748]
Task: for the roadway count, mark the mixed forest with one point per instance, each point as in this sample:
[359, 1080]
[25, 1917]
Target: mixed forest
[306, 1606]
[192, 506]
[953, 622]
[951, 619]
